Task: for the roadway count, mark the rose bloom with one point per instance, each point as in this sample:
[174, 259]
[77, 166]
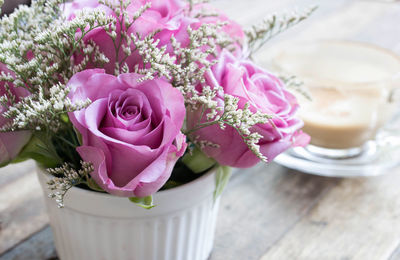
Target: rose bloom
[264, 92]
[167, 16]
[11, 143]
[131, 131]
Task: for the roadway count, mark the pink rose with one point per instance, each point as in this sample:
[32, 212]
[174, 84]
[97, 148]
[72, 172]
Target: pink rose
[131, 131]
[264, 92]
[167, 16]
[163, 15]
[98, 35]
[183, 19]
[70, 9]
[11, 143]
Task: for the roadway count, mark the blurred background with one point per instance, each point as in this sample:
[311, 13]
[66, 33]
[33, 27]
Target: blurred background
[9, 5]
[370, 21]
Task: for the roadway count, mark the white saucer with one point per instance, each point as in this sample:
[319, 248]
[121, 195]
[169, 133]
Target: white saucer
[373, 161]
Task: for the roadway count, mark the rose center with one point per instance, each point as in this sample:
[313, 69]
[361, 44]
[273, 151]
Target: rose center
[130, 112]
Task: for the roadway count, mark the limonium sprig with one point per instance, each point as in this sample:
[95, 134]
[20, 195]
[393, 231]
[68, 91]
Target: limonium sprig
[242, 120]
[296, 85]
[43, 111]
[192, 3]
[195, 140]
[259, 34]
[123, 40]
[187, 65]
[66, 177]
[156, 61]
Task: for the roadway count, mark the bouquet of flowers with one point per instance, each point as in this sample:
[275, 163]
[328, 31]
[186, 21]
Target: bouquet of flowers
[132, 97]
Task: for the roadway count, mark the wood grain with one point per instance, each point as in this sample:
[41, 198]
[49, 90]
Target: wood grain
[38, 247]
[260, 205]
[22, 211]
[396, 254]
[358, 219]
[13, 172]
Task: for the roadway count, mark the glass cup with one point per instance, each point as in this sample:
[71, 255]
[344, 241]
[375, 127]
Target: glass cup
[354, 90]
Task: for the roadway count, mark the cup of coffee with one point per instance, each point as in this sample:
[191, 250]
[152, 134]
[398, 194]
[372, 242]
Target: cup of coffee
[354, 89]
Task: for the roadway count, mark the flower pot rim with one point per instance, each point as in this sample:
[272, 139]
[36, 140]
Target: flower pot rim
[108, 205]
[82, 191]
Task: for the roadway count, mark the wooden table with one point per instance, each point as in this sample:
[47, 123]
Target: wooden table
[267, 212]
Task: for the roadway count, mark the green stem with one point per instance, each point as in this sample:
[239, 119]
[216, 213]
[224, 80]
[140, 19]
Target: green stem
[200, 126]
[66, 141]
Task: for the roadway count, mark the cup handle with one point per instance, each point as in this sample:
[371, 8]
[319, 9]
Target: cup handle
[389, 135]
[394, 95]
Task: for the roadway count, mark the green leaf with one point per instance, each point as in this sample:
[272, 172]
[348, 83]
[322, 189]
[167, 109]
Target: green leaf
[197, 161]
[37, 149]
[93, 185]
[171, 184]
[145, 202]
[79, 135]
[222, 177]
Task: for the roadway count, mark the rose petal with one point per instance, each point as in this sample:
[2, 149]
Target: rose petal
[11, 143]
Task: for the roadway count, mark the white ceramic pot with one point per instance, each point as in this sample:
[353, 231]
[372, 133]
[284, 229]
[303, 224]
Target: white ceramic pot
[99, 226]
